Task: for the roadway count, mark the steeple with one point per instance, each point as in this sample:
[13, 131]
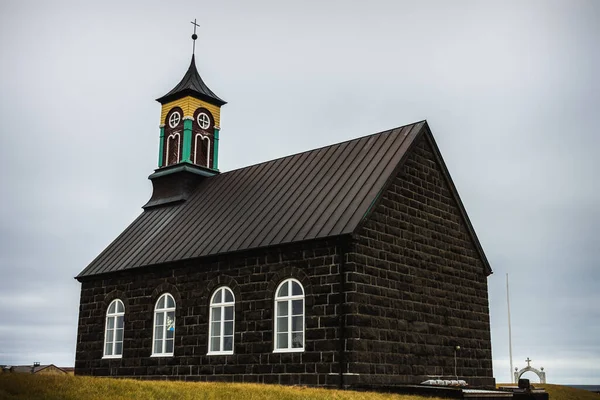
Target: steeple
[189, 137]
[192, 85]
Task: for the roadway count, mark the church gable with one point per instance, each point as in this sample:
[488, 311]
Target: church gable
[417, 281]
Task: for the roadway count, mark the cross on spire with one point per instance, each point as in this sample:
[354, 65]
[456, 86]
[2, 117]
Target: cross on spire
[194, 36]
[528, 361]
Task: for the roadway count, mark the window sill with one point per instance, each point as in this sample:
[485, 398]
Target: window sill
[219, 353]
[297, 350]
[112, 357]
[162, 355]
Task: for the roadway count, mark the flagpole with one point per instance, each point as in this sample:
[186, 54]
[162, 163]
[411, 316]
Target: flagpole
[509, 332]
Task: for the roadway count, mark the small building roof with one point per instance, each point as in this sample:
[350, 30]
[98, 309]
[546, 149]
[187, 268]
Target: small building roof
[31, 369]
[316, 194]
[192, 85]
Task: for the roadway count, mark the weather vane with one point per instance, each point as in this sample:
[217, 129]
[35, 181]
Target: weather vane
[194, 36]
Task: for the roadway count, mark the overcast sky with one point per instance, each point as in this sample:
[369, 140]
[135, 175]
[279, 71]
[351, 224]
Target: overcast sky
[510, 89]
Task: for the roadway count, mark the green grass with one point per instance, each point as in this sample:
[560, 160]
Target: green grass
[559, 392]
[55, 387]
[61, 387]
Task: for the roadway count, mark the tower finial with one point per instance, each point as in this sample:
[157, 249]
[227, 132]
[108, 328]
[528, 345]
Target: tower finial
[194, 36]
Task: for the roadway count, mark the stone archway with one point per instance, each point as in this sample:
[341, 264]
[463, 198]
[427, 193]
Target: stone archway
[539, 372]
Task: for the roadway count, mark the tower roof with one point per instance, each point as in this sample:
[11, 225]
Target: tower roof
[192, 85]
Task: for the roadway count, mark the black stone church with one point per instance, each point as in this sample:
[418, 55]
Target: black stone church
[349, 265]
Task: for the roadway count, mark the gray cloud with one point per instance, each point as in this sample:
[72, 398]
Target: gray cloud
[510, 90]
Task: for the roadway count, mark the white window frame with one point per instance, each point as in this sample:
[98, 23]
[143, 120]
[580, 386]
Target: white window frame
[114, 316]
[289, 299]
[174, 119]
[222, 305]
[201, 123]
[163, 311]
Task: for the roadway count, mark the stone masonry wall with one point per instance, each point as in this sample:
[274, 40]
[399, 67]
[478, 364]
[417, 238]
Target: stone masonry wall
[253, 277]
[416, 286]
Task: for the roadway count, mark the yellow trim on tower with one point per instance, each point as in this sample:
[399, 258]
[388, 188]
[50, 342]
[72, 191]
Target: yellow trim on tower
[189, 105]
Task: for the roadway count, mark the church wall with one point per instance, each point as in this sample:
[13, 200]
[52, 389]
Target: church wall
[253, 277]
[416, 286]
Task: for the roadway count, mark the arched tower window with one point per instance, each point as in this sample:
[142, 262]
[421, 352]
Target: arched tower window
[173, 136]
[289, 316]
[113, 334]
[164, 326]
[222, 319]
[202, 146]
[202, 138]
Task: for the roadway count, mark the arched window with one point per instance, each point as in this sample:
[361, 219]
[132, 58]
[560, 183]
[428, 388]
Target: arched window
[164, 326]
[221, 322]
[113, 335]
[289, 317]
[173, 148]
[203, 149]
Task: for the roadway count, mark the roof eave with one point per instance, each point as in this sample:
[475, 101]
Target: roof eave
[190, 92]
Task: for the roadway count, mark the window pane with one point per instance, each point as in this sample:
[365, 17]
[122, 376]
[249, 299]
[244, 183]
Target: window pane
[169, 346]
[216, 314]
[120, 307]
[111, 309]
[297, 324]
[171, 321]
[120, 322]
[158, 332]
[158, 346]
[216, 328]
[108, 349]
[170, 302]
[296, 289]
[282, 308]
[110, 322]
[170, 334]
[228, 343]
[296, 340]
[228, 296]
[109, 335]
[297, 307]
[229, 313]
[282, 324]
[161, 302]
[119, 335]
[160, 319]
[282, 340]
[214, 344]
[217, 298]
[228, 328]
[118, 349]
[283, 291]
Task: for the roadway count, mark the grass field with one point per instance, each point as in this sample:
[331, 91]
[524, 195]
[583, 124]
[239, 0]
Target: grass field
[26, 387]
[56, 387]
[558, 392]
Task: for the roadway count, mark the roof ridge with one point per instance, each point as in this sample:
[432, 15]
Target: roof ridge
[399, 128]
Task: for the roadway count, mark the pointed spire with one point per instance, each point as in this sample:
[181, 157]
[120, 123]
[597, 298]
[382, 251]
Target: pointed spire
[192, 85]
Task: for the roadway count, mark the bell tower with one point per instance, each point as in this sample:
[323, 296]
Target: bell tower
[190, 122]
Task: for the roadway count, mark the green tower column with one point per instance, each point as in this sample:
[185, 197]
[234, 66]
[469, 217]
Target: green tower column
[161, 145]
[216, 150]
[187, 140]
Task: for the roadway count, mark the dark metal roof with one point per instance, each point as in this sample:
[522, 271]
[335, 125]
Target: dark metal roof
[316, 194]
[192, 85]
